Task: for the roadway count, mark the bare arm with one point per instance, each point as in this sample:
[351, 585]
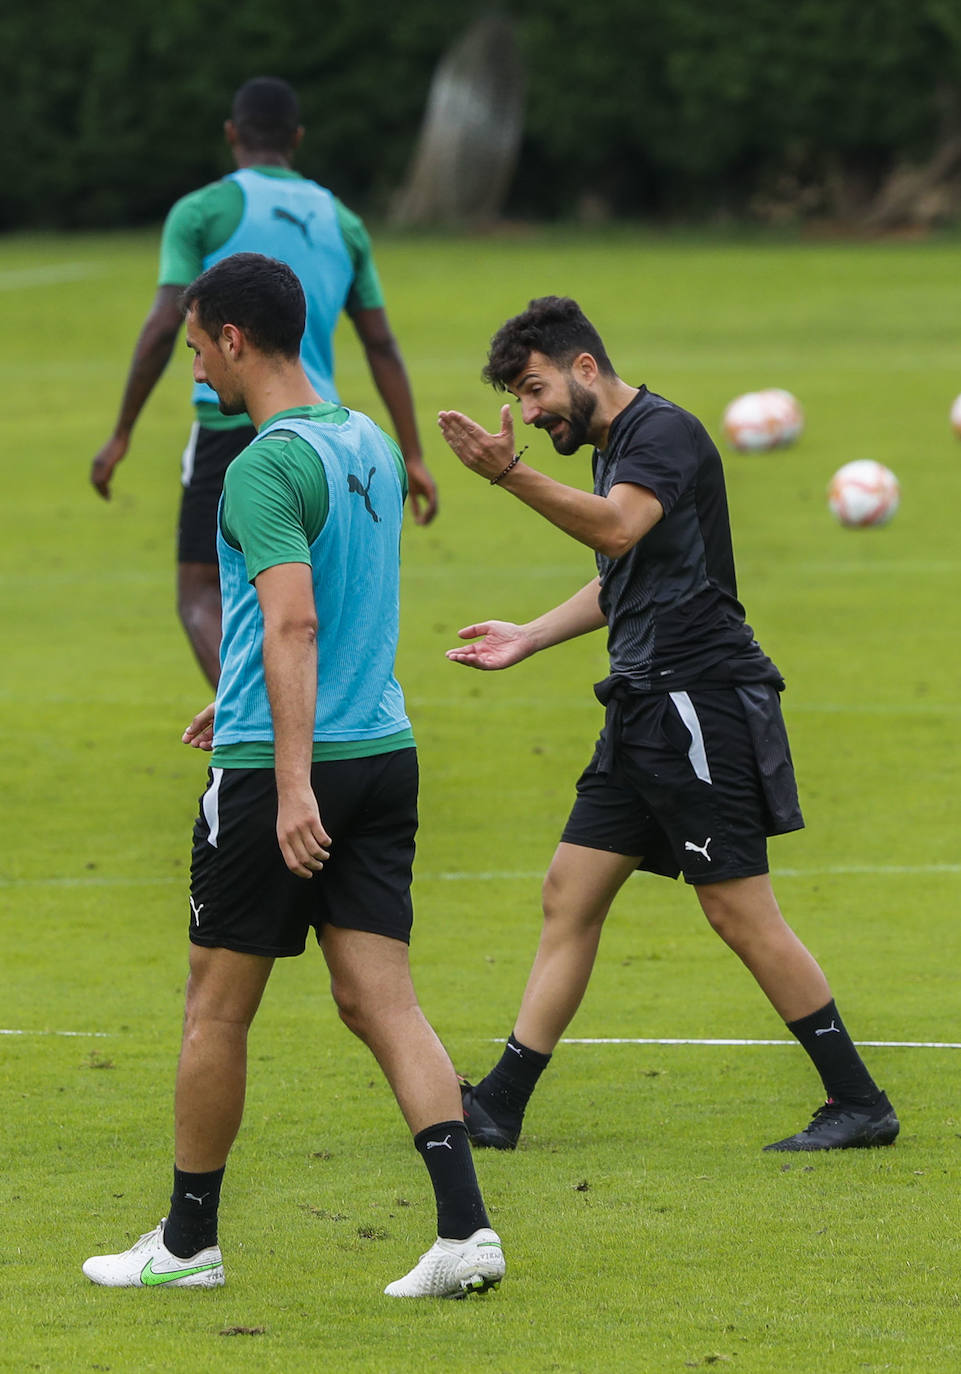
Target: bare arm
[390, 377]
[610, 524]
[286, 599]
[502, 644]
[150, 357]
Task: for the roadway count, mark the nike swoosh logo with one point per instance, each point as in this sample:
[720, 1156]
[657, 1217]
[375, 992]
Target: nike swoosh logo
[149, 1279]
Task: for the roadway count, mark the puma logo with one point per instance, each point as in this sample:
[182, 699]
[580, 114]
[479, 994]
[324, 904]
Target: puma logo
[194, 1198]
[698, 848]
[826, 1030]
[196, 909]
[354, 484]
[302, 224]
[436, 1144]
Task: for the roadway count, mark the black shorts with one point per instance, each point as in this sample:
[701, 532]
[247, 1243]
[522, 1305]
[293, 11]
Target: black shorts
[691, 782]
[244, 897]
[208, 454]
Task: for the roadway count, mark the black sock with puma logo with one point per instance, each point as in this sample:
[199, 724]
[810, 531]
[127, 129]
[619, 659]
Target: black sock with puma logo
[192, 1223]
[445, 1149]
[834, 1055]
[505, 1092]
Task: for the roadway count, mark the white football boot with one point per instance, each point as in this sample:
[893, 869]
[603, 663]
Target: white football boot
[454, 1268]
[148, 1264]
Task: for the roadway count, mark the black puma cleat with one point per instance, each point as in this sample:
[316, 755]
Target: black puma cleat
[483, 1130]
[845, 1126]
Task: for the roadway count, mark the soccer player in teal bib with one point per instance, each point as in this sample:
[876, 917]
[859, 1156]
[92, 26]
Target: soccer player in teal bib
[264, 207]
[310, 812]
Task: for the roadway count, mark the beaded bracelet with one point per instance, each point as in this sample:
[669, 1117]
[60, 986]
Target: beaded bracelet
[513, 463]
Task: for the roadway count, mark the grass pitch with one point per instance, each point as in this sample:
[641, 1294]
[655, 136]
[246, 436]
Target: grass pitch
[644, 1228]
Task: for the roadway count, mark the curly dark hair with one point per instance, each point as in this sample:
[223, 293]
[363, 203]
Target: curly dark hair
[553, 325]
[260, 295]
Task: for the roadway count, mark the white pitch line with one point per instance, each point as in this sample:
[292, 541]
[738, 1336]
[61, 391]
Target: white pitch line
[497, 701]
[874, 1044]
[492, 875]
[53, 274]
[510, 572]
[612, 1040]
[895, 567]
[91, 882]
[509, 875]
[880, 708]
[839, 870]
[881, 870]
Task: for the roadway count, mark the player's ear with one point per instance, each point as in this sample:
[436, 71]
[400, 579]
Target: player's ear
[230, 132]
[584, 368]
[232, 339]
[297, 139]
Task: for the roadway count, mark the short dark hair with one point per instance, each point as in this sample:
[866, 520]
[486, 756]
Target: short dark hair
[259, 295]
[553, 325]
[266, 114]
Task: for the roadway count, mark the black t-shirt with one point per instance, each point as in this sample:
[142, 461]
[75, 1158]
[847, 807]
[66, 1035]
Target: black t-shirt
[671, 602]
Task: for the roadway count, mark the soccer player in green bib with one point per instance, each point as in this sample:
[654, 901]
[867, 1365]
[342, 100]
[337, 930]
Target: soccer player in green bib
[310, 812]
[263, 207]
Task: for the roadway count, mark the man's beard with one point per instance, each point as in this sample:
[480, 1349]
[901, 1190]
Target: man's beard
[231, 405]
[576, 426]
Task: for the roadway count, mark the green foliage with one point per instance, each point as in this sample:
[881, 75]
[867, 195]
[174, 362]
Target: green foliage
[696, 104]
[647, 107]
[109, 118]
[688, 1248]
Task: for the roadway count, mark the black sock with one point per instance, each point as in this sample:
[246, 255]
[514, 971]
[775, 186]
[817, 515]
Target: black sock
[446, 1152]
[507, 1088]
[832, 1051]
[192, 1223]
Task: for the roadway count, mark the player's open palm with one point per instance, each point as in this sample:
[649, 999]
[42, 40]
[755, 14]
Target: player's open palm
[499, 644]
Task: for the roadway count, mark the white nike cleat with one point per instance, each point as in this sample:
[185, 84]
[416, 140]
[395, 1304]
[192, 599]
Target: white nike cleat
[148, 1264]
[454, 1268]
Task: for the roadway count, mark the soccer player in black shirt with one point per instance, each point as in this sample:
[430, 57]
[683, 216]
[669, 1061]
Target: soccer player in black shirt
[692, 771]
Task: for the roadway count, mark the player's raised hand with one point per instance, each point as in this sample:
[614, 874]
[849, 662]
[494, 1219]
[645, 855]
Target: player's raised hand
[486, 454]
[199, 734]
[500, 644]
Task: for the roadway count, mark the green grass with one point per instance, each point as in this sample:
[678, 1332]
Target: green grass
[645, 1229]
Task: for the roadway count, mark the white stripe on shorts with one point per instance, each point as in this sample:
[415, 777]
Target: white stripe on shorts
[697, 753]
[211, 806]
[188, 455]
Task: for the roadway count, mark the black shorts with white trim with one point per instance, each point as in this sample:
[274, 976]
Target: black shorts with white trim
[691, 782]
[242, 895]
[205, 461]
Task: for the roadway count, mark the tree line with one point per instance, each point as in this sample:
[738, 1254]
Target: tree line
[642, 108]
